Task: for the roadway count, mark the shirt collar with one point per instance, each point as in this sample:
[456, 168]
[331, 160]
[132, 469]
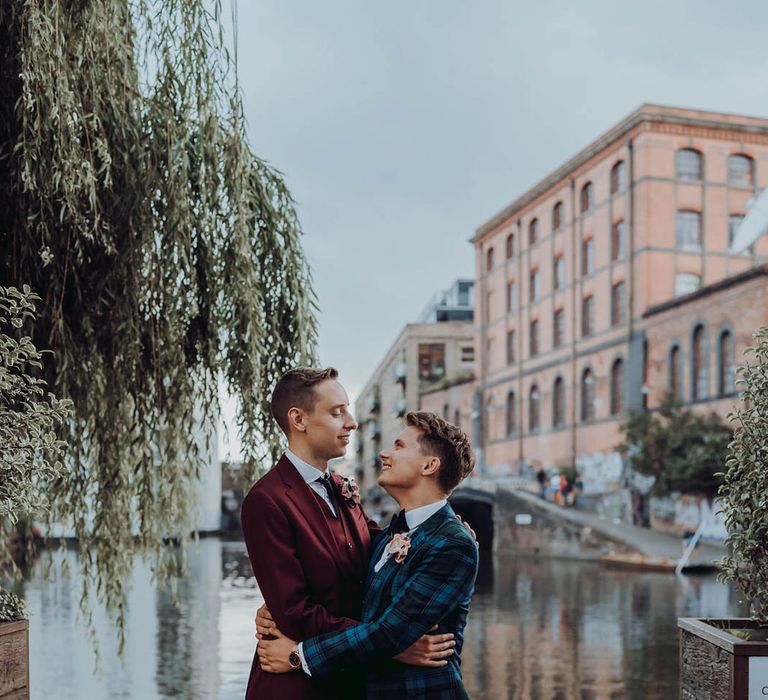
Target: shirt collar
[419, 515]
[307, 471]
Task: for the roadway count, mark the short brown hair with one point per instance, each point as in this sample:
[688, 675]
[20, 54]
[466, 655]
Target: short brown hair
[446, 442]
[296, 389]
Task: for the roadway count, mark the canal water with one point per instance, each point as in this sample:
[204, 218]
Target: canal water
[538, 628]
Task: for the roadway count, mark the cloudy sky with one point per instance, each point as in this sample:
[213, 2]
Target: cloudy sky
[401, 126]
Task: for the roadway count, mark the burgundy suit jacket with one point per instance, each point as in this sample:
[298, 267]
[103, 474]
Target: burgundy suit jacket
[311, 581]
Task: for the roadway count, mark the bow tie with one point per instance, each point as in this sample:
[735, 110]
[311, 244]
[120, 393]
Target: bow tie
[398, 524]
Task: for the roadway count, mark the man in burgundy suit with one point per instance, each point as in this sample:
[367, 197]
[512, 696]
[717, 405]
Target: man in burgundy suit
[309, 540]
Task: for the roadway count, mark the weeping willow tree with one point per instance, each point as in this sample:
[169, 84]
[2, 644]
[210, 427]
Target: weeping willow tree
[166, 254]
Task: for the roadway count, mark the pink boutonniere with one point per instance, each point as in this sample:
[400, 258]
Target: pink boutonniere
[350, 491]
[399, 545]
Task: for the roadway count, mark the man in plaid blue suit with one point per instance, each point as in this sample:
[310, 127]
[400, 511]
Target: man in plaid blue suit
[422, 573]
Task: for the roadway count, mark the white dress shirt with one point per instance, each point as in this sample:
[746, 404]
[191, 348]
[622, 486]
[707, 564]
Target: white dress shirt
[311, 475]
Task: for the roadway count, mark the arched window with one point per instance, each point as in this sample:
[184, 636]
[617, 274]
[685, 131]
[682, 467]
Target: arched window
[534, 284]
[510, 245]
[511, 414]
[617, 387]
[511, 297]
[489, 260]
[688, 164]
[587, 198]
[558, 403]
[558, 217]
[618, 304]
[533, 231]
[457, 418]
[676, 372]
[587, 395]
[618, 177]
[533, 408]
[558, 272]
[511, 345]
[587, 316]
[741, 171]
[446, 411]
[726, 384]
[688, 229]
[699, 364]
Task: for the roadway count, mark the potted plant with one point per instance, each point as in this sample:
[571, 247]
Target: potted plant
[728, 658]
[30, 458]
[14, 648]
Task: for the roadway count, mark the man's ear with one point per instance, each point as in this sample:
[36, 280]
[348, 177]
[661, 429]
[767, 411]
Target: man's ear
[296, 420]
[431, 467]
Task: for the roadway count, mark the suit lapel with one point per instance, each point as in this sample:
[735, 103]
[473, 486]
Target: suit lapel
[299, 492]
[379, 584]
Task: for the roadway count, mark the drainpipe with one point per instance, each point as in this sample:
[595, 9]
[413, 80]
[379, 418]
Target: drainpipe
[519, 342]
[575, 299]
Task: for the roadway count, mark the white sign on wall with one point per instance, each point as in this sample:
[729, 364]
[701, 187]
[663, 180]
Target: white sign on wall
[758, 677]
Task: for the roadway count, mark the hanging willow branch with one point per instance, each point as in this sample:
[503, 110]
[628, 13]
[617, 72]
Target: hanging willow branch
[167, 256]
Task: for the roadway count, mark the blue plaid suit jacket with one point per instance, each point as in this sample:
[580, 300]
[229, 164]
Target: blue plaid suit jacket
[433, 585]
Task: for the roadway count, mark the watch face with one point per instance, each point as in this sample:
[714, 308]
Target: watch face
[294, 659]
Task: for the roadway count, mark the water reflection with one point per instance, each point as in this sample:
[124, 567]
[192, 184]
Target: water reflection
[537, 629]
[558, 629]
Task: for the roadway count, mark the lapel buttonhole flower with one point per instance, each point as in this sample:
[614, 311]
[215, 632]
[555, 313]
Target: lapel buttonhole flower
[399, 545]
[350, 491]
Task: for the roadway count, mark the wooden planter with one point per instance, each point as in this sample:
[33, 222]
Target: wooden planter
[14, 660]
[718, 665]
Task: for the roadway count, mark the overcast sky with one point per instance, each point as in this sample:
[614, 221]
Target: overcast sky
[401, 126]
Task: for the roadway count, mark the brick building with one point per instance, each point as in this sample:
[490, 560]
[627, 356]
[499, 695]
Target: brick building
[611, 281]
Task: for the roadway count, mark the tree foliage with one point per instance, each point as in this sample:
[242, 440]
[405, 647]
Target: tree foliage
[744, 493]
[682, 449]
[166, 254]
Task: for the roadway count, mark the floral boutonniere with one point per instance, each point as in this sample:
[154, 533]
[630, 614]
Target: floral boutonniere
[399, 545]
[350, 491]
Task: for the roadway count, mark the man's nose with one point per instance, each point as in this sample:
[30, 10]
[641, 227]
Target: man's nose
[351, 423]
[383, 455]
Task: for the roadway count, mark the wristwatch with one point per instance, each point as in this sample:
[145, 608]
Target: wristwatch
[294, 659]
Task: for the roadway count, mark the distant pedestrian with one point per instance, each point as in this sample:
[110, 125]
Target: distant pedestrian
[541, 477]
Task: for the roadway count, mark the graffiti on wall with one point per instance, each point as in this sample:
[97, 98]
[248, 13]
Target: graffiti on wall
[686, 513]
[599, 472]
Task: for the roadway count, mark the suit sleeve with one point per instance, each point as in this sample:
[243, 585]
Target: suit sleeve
[441, 580]
[271, 542]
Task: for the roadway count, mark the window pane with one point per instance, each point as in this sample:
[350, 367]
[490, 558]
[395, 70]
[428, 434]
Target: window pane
[535, 285]
[734, 221]
[688, 164]
[618, 177]
[587, 316]
[740, 171]
[510, 347]
[618, 241]
[676, 372]
[558, 331]
[534, 338]
[699, 365]
[533, 408]
[468, 353]
[557, 216]
[431, 361]
[510, 245]
[533, 231]
[587, 396]
[511, 297]
[617, 387]
[559, 272]
[511, 417]
[618, 304]
[688, 230]
[489, 260]
[588, 257]
[726, 367]
[587, 198]
[558, 403]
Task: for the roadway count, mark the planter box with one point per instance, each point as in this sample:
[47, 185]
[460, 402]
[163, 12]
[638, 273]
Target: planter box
[14, 660]
[718, 665]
